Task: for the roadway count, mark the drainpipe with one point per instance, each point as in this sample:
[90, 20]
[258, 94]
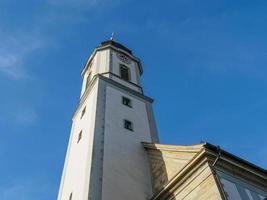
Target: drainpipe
[222, 192]
[218, 157]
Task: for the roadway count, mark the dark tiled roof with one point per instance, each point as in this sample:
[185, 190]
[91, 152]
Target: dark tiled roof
[225, 153]
[116, 44]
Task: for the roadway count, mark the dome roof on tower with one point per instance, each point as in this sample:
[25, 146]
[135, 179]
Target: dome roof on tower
[116, 44]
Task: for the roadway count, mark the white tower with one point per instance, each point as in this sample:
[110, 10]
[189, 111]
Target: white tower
[105, 158]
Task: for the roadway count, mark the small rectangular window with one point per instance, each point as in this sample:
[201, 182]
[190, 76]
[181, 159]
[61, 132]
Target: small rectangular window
[127, 102]
[83, 112]
[80, 136]
[128, 125]
[125, 73]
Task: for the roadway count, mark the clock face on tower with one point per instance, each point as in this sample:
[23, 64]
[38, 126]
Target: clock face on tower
[123, 58]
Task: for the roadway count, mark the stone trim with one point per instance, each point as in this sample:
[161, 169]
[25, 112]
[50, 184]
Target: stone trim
[119, 85]
[112, 74]
[96, 173]
[174, 148]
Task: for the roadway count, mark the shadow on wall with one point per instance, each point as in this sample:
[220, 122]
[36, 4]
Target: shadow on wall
[158, 171]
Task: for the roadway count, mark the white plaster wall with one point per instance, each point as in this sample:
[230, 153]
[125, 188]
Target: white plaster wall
[103, 61]
[126, 83]
[99, 64]
[76, 174]
[126, 170]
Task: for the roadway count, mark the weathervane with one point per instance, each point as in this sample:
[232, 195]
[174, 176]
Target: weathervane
[112, 36]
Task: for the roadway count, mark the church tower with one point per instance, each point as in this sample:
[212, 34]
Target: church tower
[105, 159]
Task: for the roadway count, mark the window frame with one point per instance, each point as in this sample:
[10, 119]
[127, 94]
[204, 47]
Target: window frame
[125, 99]
[126, 124]
[83, 112]
[80, 136]
[128, 73]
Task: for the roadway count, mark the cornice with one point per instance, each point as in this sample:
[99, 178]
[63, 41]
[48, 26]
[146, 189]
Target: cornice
[237, 168]
[173, 148]
[117, 84]
[238, 164]
[102, 77]
[129, 82]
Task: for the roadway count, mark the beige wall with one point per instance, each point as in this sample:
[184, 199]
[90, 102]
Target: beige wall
[166, 161]
[200, 186]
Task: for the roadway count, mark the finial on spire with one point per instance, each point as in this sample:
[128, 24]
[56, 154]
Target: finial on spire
[112, 36]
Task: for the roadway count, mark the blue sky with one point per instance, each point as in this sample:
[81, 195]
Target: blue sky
[204, 64]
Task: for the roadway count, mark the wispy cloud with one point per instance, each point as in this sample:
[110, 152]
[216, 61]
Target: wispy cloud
[87, 4]
[75, 2]
[23, 117]
[225, 41]
[26, 117]
[14, 51]
[27, 189]
[17, 46]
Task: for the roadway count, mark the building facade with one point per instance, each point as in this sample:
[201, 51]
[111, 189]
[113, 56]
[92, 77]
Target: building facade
[114, 151]
[203, 171]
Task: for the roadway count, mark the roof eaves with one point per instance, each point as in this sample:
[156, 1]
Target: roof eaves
[232, 156]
